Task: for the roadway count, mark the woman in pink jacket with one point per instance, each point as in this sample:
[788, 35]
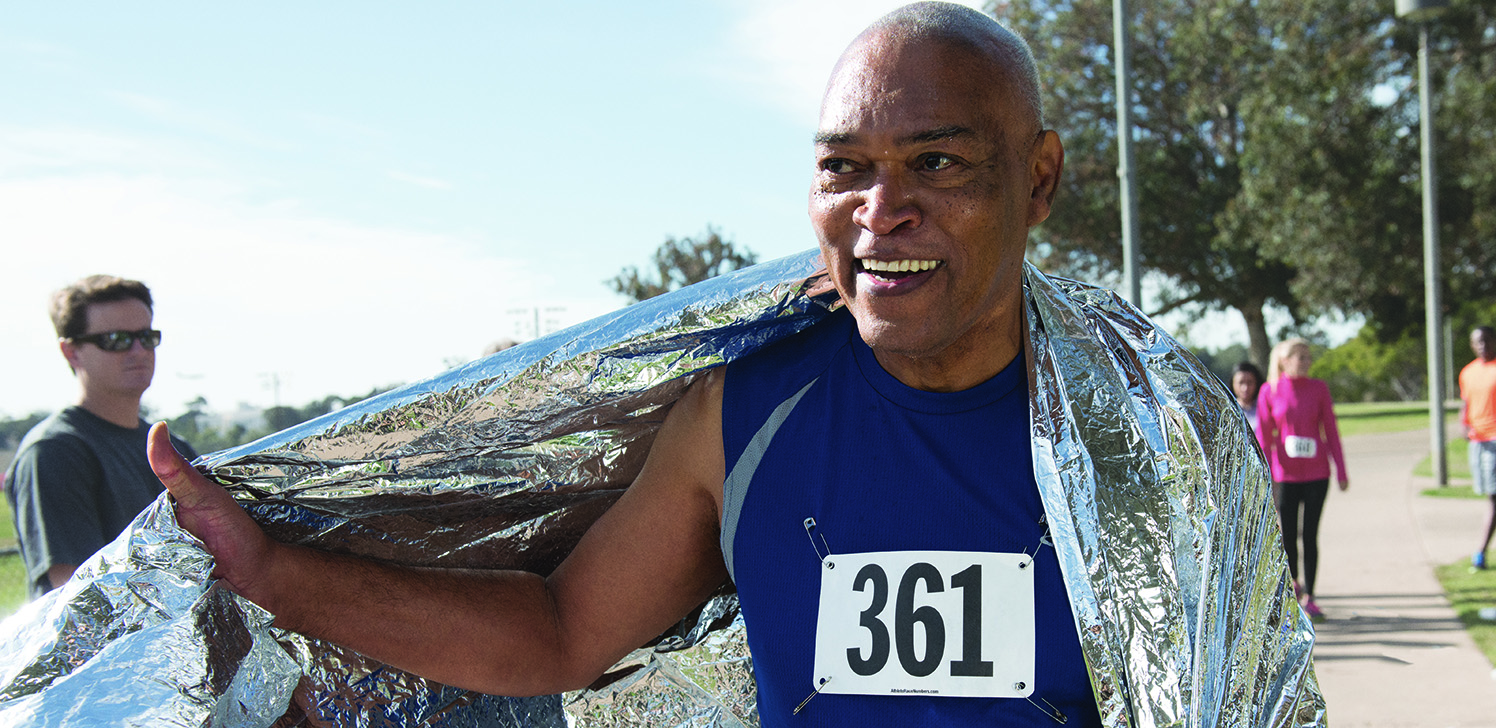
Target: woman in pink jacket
[1296, 428]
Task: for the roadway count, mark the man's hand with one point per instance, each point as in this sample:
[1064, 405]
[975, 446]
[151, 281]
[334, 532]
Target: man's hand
[240, 549]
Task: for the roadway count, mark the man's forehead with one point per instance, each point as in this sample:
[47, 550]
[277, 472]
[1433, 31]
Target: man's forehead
[905, 117]
[920, 90]
[122, 309]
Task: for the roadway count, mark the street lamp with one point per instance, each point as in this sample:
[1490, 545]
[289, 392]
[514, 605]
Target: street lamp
[1132, 286]
[1421, 12]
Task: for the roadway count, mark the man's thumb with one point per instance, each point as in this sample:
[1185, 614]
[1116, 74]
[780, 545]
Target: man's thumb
[184, 483]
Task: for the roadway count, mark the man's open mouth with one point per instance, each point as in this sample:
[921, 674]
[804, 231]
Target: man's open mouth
[895, 269]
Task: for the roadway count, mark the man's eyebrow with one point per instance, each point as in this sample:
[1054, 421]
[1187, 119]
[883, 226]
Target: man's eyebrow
[939, 133]
[834, 137]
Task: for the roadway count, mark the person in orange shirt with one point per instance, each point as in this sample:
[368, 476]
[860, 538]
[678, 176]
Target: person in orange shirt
[1478, 420]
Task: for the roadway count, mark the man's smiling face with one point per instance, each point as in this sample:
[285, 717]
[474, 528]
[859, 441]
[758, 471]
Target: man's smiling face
[923, 194]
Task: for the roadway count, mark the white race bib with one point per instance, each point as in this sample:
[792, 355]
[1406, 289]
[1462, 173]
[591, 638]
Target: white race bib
[1299, 447]
[950, 623]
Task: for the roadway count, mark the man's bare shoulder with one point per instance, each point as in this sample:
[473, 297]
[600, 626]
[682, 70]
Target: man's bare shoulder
[687, 454]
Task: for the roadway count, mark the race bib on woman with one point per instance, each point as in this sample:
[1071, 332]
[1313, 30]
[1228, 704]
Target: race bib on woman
[1300, 447]
[951, 623]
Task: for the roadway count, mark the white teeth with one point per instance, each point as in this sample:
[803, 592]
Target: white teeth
[898, 266]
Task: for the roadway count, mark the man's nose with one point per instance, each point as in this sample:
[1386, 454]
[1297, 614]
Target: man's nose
[886, 206]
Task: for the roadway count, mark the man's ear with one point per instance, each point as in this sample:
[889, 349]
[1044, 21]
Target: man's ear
[69, 352]
[1046, 160]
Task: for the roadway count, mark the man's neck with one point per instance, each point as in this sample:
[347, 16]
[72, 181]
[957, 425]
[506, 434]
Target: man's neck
[122, 411]
[975, 359]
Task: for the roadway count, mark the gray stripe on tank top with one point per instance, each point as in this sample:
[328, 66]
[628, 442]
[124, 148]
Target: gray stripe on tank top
[735, 488]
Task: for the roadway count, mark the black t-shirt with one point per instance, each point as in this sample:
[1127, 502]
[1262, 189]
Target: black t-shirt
[76, 482]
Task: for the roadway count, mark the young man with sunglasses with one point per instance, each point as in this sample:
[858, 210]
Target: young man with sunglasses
[80, 476]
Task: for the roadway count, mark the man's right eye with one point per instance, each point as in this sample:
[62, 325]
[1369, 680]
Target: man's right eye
[836, 165]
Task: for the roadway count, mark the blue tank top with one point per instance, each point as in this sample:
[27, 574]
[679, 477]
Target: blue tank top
[880, 467]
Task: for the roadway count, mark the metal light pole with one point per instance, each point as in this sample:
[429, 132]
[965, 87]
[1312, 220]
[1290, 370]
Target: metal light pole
[1422, 11]
[1132, 281]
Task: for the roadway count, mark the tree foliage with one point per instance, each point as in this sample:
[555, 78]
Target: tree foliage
[1272, 167]
[1465, 70]
[1366, 369]
[12, 430]
[1371, 368]
[681, 262]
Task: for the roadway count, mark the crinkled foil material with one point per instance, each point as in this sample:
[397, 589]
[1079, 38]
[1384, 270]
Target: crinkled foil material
[1161, 512]
[1155, 495]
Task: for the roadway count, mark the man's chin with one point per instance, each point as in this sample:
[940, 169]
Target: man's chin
[902, 338]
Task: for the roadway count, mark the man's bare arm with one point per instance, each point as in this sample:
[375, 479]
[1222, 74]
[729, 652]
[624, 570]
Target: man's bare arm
[59, 574]
[639, 569]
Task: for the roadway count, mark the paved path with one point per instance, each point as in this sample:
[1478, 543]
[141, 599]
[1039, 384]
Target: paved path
[1392, 652]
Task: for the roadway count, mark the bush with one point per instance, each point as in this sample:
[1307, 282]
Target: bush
[1365, 369]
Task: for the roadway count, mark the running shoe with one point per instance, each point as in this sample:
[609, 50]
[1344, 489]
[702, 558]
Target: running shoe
[1478, 561]
[1312, 609]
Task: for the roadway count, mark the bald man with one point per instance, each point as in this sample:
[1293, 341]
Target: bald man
[895, 434]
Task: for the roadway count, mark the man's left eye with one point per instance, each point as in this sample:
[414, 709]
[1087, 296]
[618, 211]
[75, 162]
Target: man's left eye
[935, 162]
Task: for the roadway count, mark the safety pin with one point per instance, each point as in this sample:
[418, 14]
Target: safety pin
[1055, 716]
[1047, 539]
[806, 701]
[810, 527]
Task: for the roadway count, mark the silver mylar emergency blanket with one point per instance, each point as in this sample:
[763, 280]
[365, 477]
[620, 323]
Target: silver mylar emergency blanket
[1157, 500]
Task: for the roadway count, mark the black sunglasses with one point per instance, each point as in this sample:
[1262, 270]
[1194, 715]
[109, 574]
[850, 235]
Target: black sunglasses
[121, 340]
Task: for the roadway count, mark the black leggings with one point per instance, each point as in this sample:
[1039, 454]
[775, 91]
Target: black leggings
[1311, 495]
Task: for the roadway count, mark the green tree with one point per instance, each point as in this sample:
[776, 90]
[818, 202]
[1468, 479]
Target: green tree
[1465, 127]
[11, 431]
[196, 427]
[190, 424]
[1339, 190]
[280, 418]
[1367, 369]
[681, 262]
[1272, 168]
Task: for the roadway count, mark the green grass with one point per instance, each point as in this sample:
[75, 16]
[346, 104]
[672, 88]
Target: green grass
[1363, 418]
[12, 584]
[1452, 491]
[1456, 460]
[7, 525]
[12, 574]
[1470, 590]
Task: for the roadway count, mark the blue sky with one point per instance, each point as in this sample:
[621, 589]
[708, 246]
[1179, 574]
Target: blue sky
[330, 197]
[341, 195]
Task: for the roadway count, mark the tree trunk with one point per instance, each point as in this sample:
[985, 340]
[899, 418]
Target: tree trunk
[1257, 347]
